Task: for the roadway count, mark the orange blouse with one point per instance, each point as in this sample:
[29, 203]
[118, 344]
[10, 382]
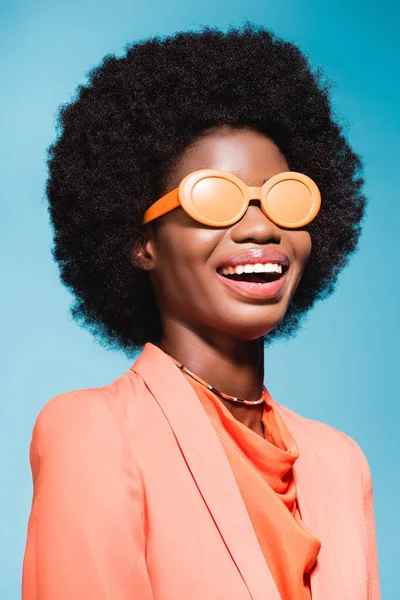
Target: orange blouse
[263, 471]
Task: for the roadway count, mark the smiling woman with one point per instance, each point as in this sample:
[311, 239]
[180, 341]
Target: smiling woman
[183, 257]
[202, 199]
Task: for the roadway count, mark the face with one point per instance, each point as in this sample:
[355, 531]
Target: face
[189, 262]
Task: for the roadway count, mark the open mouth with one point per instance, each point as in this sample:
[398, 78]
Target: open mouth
[254, 273]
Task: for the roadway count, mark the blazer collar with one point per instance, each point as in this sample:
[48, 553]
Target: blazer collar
[201, 448]
[316, 498]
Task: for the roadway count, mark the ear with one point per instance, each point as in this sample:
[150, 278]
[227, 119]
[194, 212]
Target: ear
[143, 254]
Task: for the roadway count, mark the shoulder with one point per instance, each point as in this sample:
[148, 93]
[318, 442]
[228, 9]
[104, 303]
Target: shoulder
[87, 417]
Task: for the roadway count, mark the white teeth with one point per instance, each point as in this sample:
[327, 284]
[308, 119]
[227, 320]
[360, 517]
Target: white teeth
[256, 268]
[272, 268]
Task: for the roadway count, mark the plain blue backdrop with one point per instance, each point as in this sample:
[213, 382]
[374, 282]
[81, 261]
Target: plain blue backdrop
[342, 368]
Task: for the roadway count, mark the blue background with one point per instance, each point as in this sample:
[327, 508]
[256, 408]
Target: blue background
[341, 368]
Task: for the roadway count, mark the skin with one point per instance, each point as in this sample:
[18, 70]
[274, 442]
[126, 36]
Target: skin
[210, 329]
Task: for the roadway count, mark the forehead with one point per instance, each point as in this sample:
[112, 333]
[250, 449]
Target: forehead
[246, 153]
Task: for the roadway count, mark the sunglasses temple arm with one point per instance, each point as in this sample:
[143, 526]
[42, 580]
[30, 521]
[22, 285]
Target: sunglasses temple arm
[162, 206]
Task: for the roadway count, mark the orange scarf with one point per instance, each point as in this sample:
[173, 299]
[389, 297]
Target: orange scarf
[263, 471]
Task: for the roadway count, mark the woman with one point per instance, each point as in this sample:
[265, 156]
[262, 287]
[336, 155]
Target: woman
[203, 199]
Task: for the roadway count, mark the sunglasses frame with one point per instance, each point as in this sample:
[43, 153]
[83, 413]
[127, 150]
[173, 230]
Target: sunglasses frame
[182, 196]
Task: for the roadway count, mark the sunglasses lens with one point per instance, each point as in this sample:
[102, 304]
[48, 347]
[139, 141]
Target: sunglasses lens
[217, 199]
[290, 202]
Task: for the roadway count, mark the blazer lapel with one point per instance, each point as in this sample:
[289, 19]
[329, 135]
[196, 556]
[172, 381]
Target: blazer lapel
[209, 467]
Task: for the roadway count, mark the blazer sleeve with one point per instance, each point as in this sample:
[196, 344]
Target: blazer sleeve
[85, 534]
[370, 527]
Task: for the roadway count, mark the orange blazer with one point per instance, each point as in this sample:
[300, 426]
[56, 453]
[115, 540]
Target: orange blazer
[134, 499]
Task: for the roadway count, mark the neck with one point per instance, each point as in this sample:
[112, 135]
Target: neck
[235, 367]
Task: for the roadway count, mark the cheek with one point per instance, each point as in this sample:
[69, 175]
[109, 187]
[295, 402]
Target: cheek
[301, 244]
[182, 277]
[182, 253]
[187, 248]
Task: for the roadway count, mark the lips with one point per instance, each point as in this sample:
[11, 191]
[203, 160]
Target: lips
[258, 285]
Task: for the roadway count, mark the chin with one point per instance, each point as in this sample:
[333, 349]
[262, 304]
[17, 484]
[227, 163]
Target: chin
[251, 331]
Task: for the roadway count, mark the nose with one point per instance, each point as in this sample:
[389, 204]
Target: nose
[255, 227]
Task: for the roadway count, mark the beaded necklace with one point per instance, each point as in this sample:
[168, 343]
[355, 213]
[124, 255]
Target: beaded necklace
[213, 389]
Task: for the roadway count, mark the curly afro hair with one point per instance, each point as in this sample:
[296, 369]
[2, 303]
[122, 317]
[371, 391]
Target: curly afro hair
[121, 135]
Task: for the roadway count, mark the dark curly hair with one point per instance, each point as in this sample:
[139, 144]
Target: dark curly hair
[123, 132]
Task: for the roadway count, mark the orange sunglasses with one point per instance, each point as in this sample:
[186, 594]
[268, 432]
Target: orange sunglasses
[218, 199]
